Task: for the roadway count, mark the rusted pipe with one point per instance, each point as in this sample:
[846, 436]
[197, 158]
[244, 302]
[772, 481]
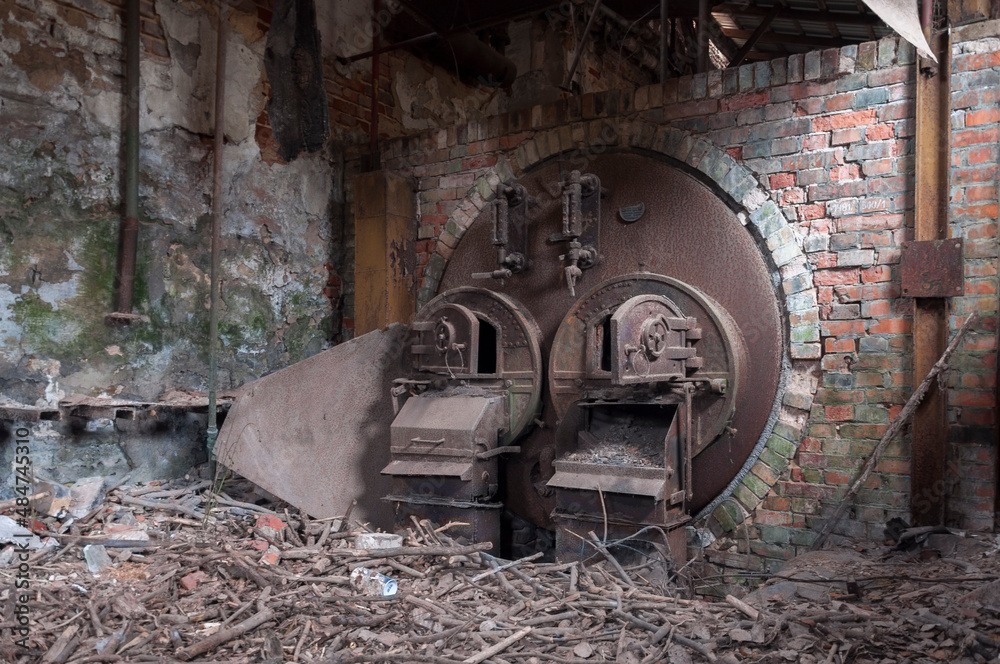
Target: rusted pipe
[130, 224]
[213, 316]
[373, 126]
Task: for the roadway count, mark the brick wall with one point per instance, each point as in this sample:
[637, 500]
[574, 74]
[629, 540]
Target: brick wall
[828, 137]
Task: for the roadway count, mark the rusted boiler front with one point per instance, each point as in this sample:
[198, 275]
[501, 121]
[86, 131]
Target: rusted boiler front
[605, 352]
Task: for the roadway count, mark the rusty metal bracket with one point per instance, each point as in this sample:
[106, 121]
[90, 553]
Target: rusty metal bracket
[933, 268]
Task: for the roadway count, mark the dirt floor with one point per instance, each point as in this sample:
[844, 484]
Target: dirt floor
[181, 573]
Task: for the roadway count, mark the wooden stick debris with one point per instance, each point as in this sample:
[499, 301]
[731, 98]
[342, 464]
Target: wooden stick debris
[224, 635]
[894, 428]
[498, 648]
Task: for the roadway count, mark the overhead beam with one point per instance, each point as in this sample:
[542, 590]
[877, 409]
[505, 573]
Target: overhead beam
[755, 36]
[800, 14]
[778, 38]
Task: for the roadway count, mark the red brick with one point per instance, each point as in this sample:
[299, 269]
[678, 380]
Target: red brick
[900, 466]
[772, 518]
[845, 136]
[848, 172]
[974, 61]
[815, 211]
[984, 116]
[878, 132]
[876, 274]
[844, 120]
[835, 277]
[891, 326]
[837, 477]
[738, 102]
[816, 141]
[980, 156]
[839, 345]
[838, 328]
[961, 139]
[793, 196]
[878, 308]
[782, 180]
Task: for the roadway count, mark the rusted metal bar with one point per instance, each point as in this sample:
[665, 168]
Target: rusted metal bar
[664, 28]
[703, 35]
[212, 430]
[930, 316]
[373, 126]
[765, 23]
[130, 224]
[580, 45]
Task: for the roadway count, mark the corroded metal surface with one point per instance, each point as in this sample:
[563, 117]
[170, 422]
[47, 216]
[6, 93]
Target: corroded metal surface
[933, 268]
[317, 433]
[686, 233]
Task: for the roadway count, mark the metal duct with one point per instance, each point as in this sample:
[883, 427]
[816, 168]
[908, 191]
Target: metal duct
[475, 58]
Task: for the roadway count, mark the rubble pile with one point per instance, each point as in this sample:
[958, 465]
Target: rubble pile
[179, 571]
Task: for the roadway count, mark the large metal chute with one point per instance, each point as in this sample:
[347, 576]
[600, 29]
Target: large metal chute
[316, 433]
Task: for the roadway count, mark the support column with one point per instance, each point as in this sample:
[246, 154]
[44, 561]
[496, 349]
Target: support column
[384, 252]
[930, 315]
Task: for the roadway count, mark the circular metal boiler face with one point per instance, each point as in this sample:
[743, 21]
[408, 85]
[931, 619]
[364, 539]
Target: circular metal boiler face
[686, 233]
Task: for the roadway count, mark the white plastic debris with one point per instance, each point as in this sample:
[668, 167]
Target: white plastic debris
[373, 583]
[97, 558]
[378, 541]
[11, 533]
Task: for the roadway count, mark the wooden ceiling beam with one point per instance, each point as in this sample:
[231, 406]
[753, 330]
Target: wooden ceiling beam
[843, 18]
[805, 40]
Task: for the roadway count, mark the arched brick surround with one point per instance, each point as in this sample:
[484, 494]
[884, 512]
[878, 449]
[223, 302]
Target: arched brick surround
[763, 218]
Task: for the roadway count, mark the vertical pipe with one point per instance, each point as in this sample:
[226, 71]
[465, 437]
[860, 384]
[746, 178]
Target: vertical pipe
[664, 27]
[376, 43]
[213, 324]
[702, 35]
[130, 225]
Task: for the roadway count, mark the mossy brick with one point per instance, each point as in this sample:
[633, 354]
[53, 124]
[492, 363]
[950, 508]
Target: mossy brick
[781, 446]
[870, 98]
[738, 183]
[728, 516]
[697, 153]
[785, 254]
[435, 267]
[874, 345]
[798, 400]
[774, 461]
[746, 77]
[746, 497]
[767, 218]
[801, 301]
[715, 165]
[801, 537]
[757, 485]
[787, 431]
[804, 333]
[774, 534]
[811, 65]
[886, 51]
[806, 351]
[871, 414]
[867, 55]
[838, 381]
[797, 283]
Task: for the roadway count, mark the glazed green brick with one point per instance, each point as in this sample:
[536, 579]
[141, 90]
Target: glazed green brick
[774, 460]
[746, 497]
[781, 446]
[758, 486]
[787, 431]
[728, 516]
[812, 475]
